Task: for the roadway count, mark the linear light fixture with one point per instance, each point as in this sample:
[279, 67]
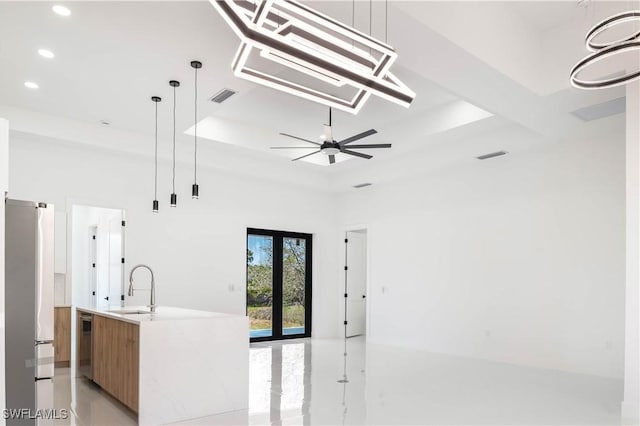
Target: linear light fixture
[603, 50]
[313, 44]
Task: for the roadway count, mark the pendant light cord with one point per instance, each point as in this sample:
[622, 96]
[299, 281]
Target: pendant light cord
[195, 136]
[174, 141]
[353, 20]
[386, 19]
[155, 181]
[370, 20]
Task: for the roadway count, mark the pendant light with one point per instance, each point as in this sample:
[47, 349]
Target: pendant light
[174, 197]
[602, 50]
[308, 42]
[196, 65]
[156, 99]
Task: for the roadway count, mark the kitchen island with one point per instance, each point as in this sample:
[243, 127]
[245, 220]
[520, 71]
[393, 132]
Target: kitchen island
[171, 365]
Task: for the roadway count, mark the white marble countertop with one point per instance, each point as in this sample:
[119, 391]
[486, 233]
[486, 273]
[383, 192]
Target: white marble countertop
[162, 313]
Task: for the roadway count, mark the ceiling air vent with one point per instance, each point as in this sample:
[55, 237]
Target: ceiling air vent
[492, 155]
[602, 110]
[362, 185]
[222, 95]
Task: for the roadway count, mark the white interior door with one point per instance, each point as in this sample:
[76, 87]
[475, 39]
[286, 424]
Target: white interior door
[93, 266]
[115, 261]
[356, 283]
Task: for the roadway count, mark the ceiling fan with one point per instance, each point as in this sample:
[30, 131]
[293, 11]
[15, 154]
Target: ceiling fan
[331, 147]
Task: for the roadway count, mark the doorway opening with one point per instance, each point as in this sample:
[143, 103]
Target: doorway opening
[278, 284]
[97, 256]
[355, 283]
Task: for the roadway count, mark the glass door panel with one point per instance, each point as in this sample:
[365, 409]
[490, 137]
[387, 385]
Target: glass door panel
[294, 267]
[278, 284]
[260, 285]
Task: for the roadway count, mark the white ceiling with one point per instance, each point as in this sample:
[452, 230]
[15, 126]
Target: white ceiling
[112, 56]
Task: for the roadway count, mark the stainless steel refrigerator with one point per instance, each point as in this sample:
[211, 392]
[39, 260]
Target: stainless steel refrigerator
[29, 292]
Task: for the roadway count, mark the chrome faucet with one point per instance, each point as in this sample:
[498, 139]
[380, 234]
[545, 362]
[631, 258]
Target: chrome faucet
[152, 305]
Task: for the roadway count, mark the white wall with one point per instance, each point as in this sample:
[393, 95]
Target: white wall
[4, 186]
[198, 250]
[631, 404]
[517, 259]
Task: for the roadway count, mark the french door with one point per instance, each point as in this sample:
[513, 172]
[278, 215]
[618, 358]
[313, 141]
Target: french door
[278, 284]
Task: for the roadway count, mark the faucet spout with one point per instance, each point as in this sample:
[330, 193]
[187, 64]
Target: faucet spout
[152, 304]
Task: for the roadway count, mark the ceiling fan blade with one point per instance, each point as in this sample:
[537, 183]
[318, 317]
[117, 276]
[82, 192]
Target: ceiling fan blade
[358, 136]
[300, 158]
[332, 159]
[380, 145]
[293, 147]
[357, 154]
[300, 139]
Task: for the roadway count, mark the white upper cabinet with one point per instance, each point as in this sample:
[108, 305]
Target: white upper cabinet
[61, 243]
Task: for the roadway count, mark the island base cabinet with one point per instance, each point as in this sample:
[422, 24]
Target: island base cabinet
[115, 359]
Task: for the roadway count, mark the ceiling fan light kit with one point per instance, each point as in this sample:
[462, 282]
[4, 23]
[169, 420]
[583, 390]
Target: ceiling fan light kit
[330, 147]
[603, 50]
[316, 45]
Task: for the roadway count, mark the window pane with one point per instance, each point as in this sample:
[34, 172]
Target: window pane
[293, 285]
[260, 285]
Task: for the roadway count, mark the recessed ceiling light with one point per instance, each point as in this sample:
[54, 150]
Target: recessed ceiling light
[31, 85]
[61, 10]
[46, 53]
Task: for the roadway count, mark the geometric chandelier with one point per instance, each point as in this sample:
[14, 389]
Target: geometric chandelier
[606, 49]
[346, 65]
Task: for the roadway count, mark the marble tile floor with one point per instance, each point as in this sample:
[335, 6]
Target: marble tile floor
[310, 382]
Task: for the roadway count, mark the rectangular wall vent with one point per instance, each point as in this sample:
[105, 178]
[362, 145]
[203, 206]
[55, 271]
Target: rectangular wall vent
[362, 185]
[492, 155]
[222, 95]
[601, 110]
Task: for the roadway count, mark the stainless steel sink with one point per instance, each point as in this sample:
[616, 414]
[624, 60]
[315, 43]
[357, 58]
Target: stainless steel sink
[129, 312]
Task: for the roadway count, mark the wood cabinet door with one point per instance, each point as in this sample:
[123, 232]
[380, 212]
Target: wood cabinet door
[115, 359]
[129, 349]
[100, 351]
[62, 334]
